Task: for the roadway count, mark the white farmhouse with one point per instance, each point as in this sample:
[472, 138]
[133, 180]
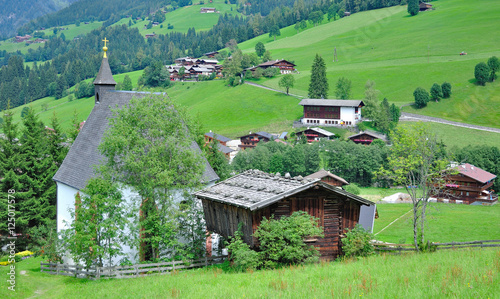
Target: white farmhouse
[331, 112]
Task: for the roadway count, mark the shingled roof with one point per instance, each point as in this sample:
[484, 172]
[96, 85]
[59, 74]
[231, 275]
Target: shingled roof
[218, 137]
[104, 76]
[255, 189]
[78, 166]
[372, 134]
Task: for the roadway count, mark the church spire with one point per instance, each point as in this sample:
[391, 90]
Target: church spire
[104, 80]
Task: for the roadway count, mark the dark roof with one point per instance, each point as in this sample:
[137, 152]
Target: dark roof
[104, 76]
[218, 137]
[254, 189]
[323, 173]
[261, 133]
[224, 149]
[372, 134]
[273, 62]
[334, 103]
[475, 173]
[78, 166]
[318, 130]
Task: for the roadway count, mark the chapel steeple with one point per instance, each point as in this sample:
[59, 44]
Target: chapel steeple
[104, 80]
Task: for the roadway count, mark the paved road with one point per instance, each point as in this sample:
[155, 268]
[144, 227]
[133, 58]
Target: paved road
[417, 117]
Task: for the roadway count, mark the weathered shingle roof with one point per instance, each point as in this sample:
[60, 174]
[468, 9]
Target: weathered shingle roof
[323, 173]
[261, 133]
[224, 149]
[273, 62]
[254, 189]
[218, 137]
[475, 173]
[334, 103]
[78, 166]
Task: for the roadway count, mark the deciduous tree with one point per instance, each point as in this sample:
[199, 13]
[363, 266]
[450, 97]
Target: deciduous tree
[436, 92]
[260, 49]
[494, 65]
[287, 82]
[413, 7]
[343, 90]
[446, 88]
[482, 73]
[421, 97]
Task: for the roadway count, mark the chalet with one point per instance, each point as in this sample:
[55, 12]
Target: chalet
[151, 35]
[331, 112]
[248, 197]
[423, 6]
[251, 140]
[20, 39]
[366, 137]
[469, 185]
[285, 66]
[347, 14]
[207, 10]
[221, 144]
[83, 156]
[211, 54]
[367, 214]
[315, 134]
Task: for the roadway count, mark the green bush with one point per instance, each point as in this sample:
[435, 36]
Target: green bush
[353, 188]
[357, 242]
[241, 256]
[282, 240]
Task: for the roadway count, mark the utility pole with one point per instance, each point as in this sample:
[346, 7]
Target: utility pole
[335, 55]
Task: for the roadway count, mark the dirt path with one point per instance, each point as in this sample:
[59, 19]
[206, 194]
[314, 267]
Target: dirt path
[269, 88]
[417, 117]
[392, 222]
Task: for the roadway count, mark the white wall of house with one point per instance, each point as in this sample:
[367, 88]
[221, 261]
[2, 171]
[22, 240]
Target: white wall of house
[347, 114]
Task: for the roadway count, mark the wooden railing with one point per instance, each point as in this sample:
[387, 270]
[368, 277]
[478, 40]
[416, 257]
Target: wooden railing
[96, 272]
[400, 248]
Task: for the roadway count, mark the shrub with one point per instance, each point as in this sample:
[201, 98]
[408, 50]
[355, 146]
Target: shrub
[446, 88]
[282, 240]
[241, 256]
[357, 242]
[353, 188]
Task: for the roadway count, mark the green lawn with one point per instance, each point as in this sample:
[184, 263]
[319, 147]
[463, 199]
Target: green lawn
[454, 274]
[445, 223]
[401, 53]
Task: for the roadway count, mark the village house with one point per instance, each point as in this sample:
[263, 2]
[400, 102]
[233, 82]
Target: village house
[284, 66]
[208, 10]
[20, 39]
[468, 185]
[194, 68]
[423, 6]
[315, 134]
[221, 144]
[251, 139]
[80, 162]
[211, 54]
[366, 137]
[331, 112]
[248, 197]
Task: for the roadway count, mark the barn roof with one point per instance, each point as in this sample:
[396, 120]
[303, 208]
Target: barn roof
[273, 62]
[475, 173]
[323, 173]
[331, 103]
[254, 189]
[261, 133]
[224, 149]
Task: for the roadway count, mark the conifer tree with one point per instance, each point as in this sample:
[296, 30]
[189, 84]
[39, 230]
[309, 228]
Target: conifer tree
[217, 160]
[413, 7]
[318, 87]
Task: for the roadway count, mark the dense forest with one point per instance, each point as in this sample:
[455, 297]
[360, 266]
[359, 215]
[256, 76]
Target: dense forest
[17, 13]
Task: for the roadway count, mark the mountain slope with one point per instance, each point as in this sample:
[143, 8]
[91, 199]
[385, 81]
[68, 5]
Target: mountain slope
[14, 14]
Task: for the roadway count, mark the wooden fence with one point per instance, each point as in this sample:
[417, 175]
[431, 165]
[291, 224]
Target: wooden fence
[131, 271]
[400, 248]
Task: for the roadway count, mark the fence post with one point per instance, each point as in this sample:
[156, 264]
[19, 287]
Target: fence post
[136, 270]
[97, 272]
[206, 261]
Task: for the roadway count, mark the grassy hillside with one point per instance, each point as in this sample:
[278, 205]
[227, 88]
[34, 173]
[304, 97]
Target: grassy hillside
[186, 17]
[445, 223]
[450, 273]
[400, 53]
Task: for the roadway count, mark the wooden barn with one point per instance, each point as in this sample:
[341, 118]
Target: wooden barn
[423, 6]
[252, 195]
[315, 134]
[251, 140]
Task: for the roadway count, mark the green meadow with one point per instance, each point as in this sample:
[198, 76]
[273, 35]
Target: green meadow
[401, 53]
[445, 223]
[186, 17]
[442, 274]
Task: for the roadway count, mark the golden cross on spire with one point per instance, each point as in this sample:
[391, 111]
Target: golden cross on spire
[105, 48]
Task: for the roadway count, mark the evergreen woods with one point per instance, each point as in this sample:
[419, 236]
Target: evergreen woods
[29, 159]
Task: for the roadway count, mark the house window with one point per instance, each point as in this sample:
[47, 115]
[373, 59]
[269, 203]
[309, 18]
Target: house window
[356, 110]
[467, 193]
